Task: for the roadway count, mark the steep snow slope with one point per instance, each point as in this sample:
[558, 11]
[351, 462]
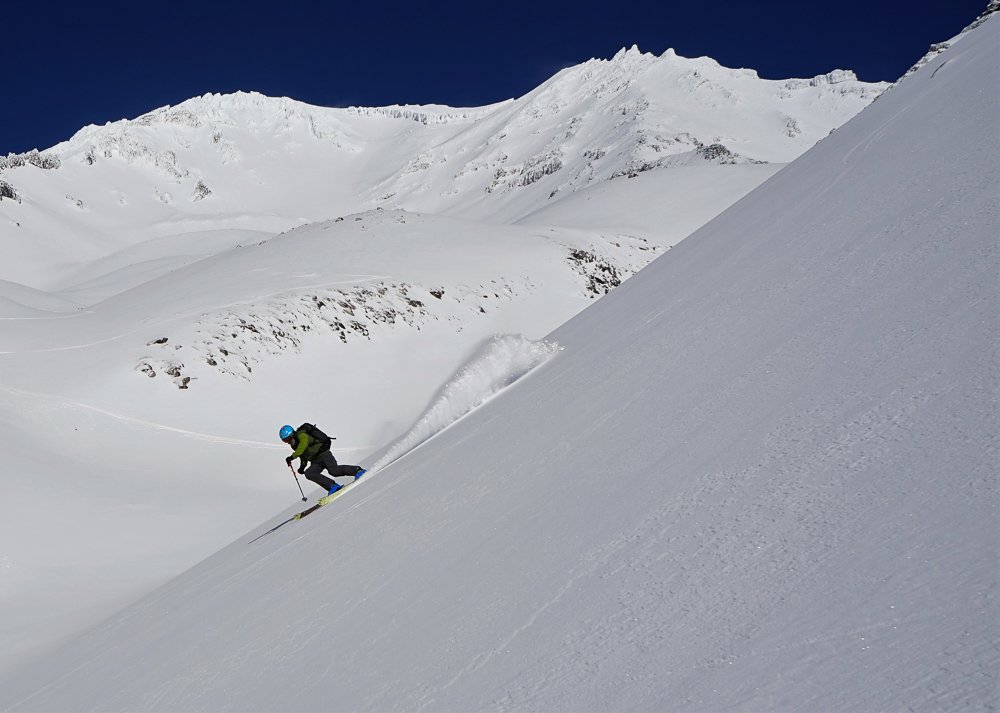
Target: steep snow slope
[760, 475]
[244, 162]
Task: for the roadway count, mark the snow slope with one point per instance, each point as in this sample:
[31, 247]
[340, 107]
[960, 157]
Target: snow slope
[155, 409]
[176, 286]
[759, 475]
[144, 427]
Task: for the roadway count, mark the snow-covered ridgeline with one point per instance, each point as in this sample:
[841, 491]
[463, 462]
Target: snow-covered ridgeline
[425, 113]
[246, 154]
[939, 47]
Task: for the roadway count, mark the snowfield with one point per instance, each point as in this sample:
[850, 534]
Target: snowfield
[760, 474]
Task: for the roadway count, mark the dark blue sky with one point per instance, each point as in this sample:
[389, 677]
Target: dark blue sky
[69, 64]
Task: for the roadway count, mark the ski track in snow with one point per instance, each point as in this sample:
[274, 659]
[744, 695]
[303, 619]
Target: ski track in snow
[46, 318]
[131, 420]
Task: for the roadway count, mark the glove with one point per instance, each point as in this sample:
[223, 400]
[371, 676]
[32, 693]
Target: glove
[302, 470]
[289, 459]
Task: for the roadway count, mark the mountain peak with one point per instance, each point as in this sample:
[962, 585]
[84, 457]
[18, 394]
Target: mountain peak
[632, 52]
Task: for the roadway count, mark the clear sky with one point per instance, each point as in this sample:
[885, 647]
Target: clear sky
[69, 64]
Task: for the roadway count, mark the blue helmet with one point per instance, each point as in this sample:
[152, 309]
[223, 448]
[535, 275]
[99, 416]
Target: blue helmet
[285, 432]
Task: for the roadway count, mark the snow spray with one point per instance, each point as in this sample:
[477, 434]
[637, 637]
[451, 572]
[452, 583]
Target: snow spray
[494, 366]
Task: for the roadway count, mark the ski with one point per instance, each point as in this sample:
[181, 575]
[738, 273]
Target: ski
[325, 500]
[280, 524]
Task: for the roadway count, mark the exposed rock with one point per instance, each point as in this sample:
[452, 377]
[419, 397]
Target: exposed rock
[602, 275]
[33, 158]
[201, 191]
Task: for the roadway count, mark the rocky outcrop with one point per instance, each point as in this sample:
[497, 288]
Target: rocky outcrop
[30, 158]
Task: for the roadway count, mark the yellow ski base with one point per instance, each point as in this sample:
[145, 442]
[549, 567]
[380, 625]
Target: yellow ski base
[326, 500]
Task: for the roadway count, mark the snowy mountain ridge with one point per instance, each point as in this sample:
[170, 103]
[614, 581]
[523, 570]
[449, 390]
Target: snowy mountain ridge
[938, 47]
[248, 161]
[611, 76]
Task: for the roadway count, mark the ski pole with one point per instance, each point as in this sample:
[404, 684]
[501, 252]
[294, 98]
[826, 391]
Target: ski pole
[297, 481]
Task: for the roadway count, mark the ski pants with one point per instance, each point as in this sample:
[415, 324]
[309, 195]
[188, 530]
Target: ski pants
[326, 461]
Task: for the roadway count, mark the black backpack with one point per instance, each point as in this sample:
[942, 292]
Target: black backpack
[313, 432]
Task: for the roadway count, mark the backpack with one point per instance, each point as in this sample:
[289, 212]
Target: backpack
[316, 434]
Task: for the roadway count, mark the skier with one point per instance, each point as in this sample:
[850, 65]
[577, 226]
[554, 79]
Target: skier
[312, 447]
